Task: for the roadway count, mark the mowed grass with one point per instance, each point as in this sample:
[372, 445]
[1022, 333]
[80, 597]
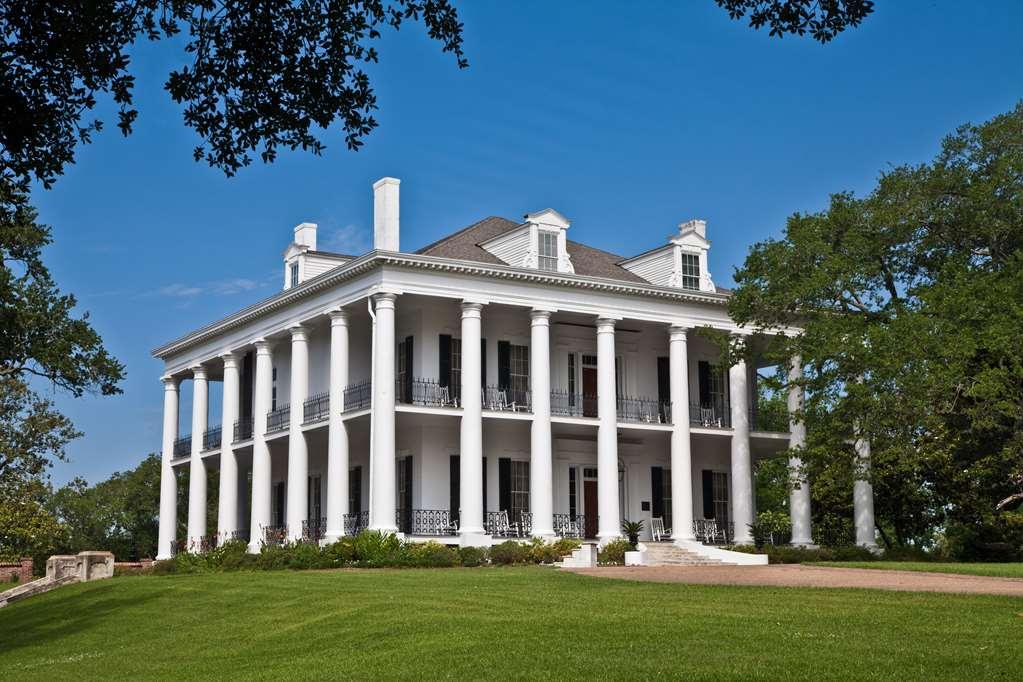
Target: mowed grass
[1010, 570]
[498, 623]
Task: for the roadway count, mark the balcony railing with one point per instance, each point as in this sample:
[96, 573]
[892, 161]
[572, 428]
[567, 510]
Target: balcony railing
[314, 529]
[423, 392]
[643, 410]
[713, 532]
[570, 525]
[358, 396]
[356, 523]
[240, 534]
[183, 446]
[278, 419]
[275, 536]
[566, 404]
[506, 399]
[426, 522]
[211, 439]
[243, 429]
[711, 415]
[316, 408]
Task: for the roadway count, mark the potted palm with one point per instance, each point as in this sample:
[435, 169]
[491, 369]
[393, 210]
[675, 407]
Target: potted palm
[631, 530]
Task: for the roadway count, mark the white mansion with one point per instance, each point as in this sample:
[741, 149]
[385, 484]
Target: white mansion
[503, 381]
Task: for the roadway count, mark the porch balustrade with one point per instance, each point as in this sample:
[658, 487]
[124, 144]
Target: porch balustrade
[356, 523]
[566, 404]
[510, 399]
[316, 408]
[643, 410]
[423, 393]
[275, 536]
[243, 429]
[716, 415]
[279, 419]
[183, 446]
[211, 439]
[570, 525]
[314, 529]
[358, 396]
[437, 522]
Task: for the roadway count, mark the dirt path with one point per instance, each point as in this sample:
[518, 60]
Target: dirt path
[795, 575]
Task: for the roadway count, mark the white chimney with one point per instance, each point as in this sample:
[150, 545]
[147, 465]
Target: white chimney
[385, 214]
[697, 226]
[305, 235]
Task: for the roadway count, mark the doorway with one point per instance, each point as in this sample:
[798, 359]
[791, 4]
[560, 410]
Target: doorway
[589, 369]
[590, 505]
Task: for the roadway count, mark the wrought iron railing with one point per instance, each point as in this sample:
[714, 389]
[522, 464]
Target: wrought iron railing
[711, 415]
[356, 522]
[570, 525]
[501, 399]
[206, 543]
[211, 438]
[358, 396]
[566, 404]
[243, 429]
[423, 392]
[643, 410]
[240, 534]
[316, 408]
[314, 529]
[183, 446]
[426, 522]
[275, 536]
[508, 525]
[278, 419]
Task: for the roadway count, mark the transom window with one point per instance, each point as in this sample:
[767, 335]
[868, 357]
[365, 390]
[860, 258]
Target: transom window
[690, 271]
[519, 488]
[547, 251]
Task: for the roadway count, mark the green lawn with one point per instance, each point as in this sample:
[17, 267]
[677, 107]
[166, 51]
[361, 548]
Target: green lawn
[498, 622]
[997, 570]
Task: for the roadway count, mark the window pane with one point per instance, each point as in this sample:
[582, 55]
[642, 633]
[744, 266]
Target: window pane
[547, 251]
[690, 271]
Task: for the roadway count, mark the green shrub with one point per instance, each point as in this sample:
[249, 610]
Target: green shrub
[509, 552]
[165, 567]
[227, 556]
[539, 551]
[187, 562]
[375, 549]
[303, 556]
[339, 554]
[565, 546]
[613, 553]
[798, 555]
[473, 556]
[430, 555]
[273, 557]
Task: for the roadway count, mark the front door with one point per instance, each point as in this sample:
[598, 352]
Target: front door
[589, 391]
[590, 505]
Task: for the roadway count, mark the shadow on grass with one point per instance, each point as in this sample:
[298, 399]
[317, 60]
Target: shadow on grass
[48, 619]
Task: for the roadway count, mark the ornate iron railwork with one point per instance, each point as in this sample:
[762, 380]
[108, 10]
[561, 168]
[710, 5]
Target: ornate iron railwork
[501, 399]
[183, 446]
[713, 531]
[643, 410]
[570, 525]
[716, 414]
[358, 396]
[316, 408]
[567, 404]
[211, 439]
[437, 522]
[313, 530]
[423, 392]
[243, 429]
[356, 523]
[275, 536]
[278, 419]
[240, 534]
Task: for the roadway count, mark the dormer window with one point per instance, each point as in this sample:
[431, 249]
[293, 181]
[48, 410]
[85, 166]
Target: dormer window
[294, 274]
[690, 271]
[547, 251]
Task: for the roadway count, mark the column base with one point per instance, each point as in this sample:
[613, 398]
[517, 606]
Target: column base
[255, 547]
[475, 540]
[330, 537]
[164, 557]
[392, 530]
[683, 538]
[602, 540]
[545, 535]
[871, 547]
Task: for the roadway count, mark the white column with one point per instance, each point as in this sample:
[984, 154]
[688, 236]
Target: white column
[470, 525]
[298, 454]
[681, 447]
[227, 510]
[260, 507]
[541, 472]
[799, 492]
[863, 496]
[608, 513]
[168, 483]
[337, 432]
[742, 470]
[382, 481]
[197, 468]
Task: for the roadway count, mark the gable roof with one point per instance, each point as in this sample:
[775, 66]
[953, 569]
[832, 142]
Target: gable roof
[465, 245]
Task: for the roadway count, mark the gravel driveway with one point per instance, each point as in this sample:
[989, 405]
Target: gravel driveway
[796, 575]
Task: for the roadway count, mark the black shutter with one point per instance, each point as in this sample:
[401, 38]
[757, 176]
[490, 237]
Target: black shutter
[503, 365]
[504, 484]
[455, 476]
[407, 388]
[657, 491]
[663, 380]
[407, 502]
[245, 406]
[356, 484]
[483, 363]
[703, 368]
[708, 494]
[484, 489]
[444, 361]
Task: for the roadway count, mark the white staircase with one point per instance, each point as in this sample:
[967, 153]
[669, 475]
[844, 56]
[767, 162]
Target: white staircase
[585, 556]
[670, 554]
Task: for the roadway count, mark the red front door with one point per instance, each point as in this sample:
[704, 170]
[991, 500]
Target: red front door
[589, 391]
[590, 504]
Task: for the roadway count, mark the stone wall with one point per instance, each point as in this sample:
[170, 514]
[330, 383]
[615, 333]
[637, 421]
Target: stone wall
[22, 569]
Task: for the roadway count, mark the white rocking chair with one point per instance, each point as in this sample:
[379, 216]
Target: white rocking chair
[657, 529]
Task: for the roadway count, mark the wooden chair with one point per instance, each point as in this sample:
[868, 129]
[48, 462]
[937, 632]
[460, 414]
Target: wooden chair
[657, 529]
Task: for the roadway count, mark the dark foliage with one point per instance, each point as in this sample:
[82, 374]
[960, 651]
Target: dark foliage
[822, 19]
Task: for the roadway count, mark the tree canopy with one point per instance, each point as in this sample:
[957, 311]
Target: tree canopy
[822, 19]
[910, 301]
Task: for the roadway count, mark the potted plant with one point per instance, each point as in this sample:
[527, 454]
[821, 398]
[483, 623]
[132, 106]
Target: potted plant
[631, 530]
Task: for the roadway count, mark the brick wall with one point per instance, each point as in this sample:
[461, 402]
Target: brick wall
[22, 569]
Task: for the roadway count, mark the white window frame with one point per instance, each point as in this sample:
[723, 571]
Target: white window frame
[547, 251]
[689, 271]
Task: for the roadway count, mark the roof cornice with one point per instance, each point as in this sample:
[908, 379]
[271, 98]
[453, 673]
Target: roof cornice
[377, 259]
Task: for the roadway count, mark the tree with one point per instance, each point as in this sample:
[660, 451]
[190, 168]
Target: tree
[823, 19]
[910, 305]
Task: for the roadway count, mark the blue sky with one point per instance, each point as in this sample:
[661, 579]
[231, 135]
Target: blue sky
[627, 118]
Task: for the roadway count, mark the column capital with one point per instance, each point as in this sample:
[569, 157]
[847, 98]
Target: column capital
[385, 299]
[263, 347]
[471, 309]
[605, 325]
[198, 372]
[230, 359]
[170, 383]
[539, 317]
[339, 318]
[678, 332]
[298, 332]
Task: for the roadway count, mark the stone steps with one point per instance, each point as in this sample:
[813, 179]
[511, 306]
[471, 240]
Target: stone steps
[30, 589]
[669, 554]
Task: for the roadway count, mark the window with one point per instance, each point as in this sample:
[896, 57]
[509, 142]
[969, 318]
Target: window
[455, 385]
[519, 489]
[572, 503]
[402, 371]
[355, 490]
[571, 380]
[690, 271]
[278, 504]
[721, 497]
[314, 507]
[294, 274]
[519, 374]
[666, 496]
[273, 390]
[547, 251]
